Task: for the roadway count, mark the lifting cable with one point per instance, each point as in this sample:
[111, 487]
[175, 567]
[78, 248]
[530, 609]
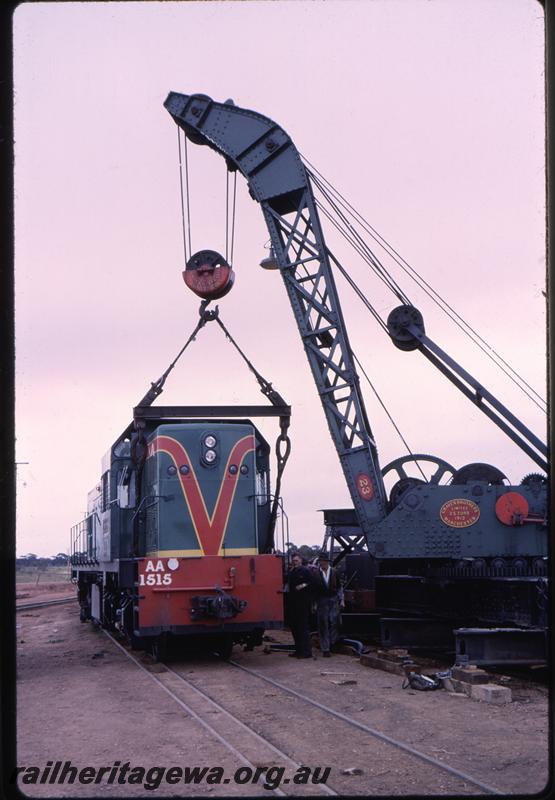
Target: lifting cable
[468, 330]
[362, 247]
[354, 245]
[380, 321]
[359, 292]
[157, 387]
[228, 250]
[185, 195]
[283, 442]
[181, 193]
[383, 405]
[181, 196]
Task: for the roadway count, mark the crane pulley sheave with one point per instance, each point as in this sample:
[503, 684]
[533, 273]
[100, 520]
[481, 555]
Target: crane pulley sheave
[264, 153]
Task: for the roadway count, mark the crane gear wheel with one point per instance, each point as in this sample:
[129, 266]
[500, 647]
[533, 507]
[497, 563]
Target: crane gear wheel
[397, 322]
[208, 275]
[534, 480]
[398, 489]
[398, 464]
[478, 472]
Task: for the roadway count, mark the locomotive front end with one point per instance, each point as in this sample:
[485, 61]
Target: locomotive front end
[205, 532]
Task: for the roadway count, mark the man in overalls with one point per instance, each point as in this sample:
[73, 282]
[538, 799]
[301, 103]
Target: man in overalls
[329, 598]
[300, 586]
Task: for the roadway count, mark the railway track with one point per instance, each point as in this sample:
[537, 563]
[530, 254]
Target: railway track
[45, 603]
[256, 748]
[373, 732]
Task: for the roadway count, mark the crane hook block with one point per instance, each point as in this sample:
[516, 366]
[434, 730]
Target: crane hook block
[208, 275]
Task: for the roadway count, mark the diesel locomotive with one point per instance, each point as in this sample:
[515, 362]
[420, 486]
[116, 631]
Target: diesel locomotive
[177, 540]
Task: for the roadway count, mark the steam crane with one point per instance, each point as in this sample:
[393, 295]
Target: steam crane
[473, 551]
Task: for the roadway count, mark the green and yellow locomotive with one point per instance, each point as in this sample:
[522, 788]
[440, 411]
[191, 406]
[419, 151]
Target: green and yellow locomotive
[178, 536]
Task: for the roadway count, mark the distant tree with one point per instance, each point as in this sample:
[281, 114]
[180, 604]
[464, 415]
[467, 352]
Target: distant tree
[28, 560]
[59, 560]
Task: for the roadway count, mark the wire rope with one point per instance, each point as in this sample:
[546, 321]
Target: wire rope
[187, 190]
[226, 215]
[233, 216]
[228, 224]
[381, 402]
[376, 315]
[359, 293]
[181, 194]
[468, 330]
[365, 251]
[343, 270]
[438, 300]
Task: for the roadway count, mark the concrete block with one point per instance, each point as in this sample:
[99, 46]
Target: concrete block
[491, 693]
[470, 674]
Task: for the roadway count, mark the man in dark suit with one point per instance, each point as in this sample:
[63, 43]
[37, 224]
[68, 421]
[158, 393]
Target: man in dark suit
[300, 585]
[329, 597]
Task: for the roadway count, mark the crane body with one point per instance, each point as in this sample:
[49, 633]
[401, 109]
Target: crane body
[477, 526]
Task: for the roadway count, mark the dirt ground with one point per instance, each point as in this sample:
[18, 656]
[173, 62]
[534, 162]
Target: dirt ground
[81, 700]
[37, 593]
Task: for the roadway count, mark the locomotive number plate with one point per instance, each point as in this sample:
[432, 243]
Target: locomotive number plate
[459, 513]
[157, 575]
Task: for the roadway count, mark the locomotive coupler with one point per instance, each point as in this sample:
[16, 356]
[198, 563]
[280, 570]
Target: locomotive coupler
[220, 606]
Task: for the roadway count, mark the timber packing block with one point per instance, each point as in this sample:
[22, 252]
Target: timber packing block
[397, 668]
[398, 654]
[470, 674]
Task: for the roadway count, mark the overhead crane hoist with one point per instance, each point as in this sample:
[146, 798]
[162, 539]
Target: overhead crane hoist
[476, 526]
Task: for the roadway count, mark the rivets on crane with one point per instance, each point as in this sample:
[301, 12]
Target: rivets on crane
[271, 145]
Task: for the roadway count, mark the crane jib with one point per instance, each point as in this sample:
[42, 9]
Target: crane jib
[277, 179]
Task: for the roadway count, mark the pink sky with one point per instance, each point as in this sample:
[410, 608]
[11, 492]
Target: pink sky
[428, 116]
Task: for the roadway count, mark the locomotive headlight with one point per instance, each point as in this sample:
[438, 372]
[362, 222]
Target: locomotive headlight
[210, 456]
[210, 441]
